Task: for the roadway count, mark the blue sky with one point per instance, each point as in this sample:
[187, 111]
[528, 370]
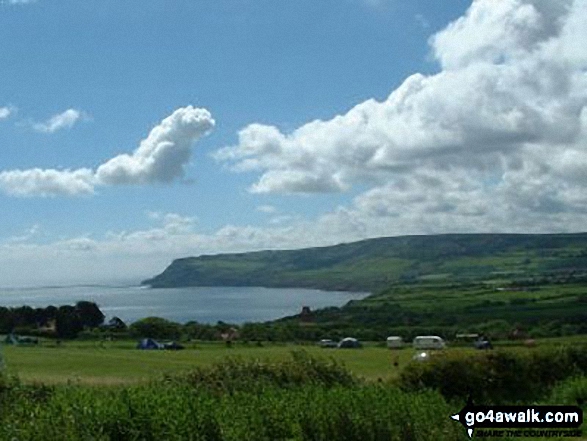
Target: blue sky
[132, 133]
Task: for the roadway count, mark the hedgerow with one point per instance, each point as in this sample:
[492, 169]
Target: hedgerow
[497, 376]
[299, 399]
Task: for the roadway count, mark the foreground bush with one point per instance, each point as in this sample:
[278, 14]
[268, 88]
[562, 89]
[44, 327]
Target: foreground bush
[299, 399]
[572, 392]
[247, 375]
[174, 413]
[499, 376]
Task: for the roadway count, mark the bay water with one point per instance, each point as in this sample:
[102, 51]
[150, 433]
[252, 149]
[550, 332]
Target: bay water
[202, 304]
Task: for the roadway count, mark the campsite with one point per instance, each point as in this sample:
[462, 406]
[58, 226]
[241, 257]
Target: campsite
[110, 390]
[119, 362]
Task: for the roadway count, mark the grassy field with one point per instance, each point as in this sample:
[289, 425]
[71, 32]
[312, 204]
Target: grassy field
[117, 363]
[293, 396]
[90, 362]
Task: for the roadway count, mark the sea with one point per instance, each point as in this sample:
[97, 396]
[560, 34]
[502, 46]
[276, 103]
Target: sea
[202, 304]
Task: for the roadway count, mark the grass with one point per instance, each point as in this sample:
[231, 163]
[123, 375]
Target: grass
[297, 396]
[117, 363]
[90, 362]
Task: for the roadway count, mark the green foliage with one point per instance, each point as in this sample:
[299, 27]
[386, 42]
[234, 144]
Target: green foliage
[69, 320]
[296, 399]
[68, 323]
[199, 331]
[156, 327]
[236, 374]
[572, 391]
[89, 314]
[173, 413]
[497, 376]
[311, 407]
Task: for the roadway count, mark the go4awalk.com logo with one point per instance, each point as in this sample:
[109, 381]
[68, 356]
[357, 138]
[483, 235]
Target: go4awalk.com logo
[521, 421]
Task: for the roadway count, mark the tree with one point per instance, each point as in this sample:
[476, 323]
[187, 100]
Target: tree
[200, 331]
[89, 314]
[24, 316]
[156, 327]
[68, 323]
[6, 320]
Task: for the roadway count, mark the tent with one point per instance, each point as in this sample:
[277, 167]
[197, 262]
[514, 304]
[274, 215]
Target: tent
[349, 342]
[149, 343]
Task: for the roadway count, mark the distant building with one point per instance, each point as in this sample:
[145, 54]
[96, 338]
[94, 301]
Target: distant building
[49, 328]
[306, 314]
[230, 334]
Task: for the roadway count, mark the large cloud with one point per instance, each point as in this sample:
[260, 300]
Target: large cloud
[161, 157]
[501, 128]
[163, 154]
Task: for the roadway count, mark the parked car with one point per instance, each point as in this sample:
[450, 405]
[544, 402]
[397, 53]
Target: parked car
[173, 346]
[482, 343]
[327, 343]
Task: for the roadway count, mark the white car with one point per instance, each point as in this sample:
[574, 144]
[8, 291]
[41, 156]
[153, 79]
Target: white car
[327, 343]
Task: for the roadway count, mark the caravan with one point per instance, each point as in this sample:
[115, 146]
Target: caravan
[429, 342]
[395, 342]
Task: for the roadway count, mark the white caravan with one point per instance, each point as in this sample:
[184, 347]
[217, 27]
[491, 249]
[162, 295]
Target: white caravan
[395, 342]
[429, 342]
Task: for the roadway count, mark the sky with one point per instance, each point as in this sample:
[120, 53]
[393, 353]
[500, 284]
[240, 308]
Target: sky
[133, 133]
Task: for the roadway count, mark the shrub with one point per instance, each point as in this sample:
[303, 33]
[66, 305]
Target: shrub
[496, 377]
[156, 327]
[572, 391]
[236, 374]
[173, 412]
[297, 399]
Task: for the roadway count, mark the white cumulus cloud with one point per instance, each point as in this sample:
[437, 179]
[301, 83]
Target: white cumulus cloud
[161, 157]
[499, 131]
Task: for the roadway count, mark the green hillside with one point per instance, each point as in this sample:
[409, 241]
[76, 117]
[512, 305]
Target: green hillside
[376, 264]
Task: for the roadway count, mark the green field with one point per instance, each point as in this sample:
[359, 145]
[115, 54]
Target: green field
[116, 363]
[288, 395]
[90, 362]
